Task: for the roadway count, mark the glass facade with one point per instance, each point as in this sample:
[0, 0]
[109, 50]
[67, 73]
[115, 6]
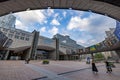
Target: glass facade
[67, 41]
[7, 21]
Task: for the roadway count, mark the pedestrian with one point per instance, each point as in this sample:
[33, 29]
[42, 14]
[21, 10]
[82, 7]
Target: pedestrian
[94, 68]
[27, 61]
[108, 67]
[88, 60]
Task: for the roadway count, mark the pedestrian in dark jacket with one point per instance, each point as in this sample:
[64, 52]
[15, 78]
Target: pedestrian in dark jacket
[94, 68]
[108, 67]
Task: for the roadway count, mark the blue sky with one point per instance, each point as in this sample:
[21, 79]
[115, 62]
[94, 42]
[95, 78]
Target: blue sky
[86, 28]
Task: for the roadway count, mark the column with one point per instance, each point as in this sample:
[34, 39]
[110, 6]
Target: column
[33, 49]
[57, 48]
[92, 57]
[7, 54]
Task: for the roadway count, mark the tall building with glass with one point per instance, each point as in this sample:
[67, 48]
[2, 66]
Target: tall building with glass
[7, 21]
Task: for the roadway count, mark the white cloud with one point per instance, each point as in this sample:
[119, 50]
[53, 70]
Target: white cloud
[33, 16]
[56, 15]
[19, 25]
[94, 28]
[42, 29]
[64, 13]
[77, 23]
[50, 12]
[55, 22]
[53, 31]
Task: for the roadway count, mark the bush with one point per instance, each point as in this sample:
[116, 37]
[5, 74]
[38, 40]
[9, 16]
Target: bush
[112, 64]
[99, 57]
[45, 61]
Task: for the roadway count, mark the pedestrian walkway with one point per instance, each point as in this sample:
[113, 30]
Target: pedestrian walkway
[56, 70]
[50, 75]
[16, 70]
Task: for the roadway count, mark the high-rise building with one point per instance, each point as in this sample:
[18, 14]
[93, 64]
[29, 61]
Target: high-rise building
[7, 21]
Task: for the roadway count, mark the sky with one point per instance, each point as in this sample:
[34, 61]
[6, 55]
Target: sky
[86, 28]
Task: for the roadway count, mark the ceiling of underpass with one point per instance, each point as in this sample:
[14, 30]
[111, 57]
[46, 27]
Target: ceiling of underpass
[105, 7]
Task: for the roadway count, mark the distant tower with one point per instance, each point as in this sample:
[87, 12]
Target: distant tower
[7, 21]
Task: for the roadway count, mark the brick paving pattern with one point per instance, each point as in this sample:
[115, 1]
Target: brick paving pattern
[17, 70]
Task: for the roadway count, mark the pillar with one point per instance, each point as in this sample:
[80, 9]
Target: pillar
[57, 48]
[33, 49]
[7, 54]
[92, 57]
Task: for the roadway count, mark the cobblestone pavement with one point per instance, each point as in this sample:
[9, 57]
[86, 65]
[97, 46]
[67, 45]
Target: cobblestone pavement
[16, 70]
[61, 70]
[101, 75]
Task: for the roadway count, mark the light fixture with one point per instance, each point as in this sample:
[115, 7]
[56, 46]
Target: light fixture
[70, 8]
[106, 15]
[90, 10]
[49, 7]
[27, 9]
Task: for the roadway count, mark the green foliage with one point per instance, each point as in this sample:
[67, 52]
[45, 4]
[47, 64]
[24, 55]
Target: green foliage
[45, 62]
[99, 57]
[108, 57]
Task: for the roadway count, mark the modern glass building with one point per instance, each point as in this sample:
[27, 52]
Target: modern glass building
[7, 21]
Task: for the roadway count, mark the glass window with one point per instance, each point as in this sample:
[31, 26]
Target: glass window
[27, 39]
[11, 31]
[10, 35]
[16, 36]
[23, 34]
[6, 30]
[5, 33]
[22, 38]
[17, 33]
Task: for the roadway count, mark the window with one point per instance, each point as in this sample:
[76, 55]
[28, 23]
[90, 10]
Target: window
[16, 36]
[11, 31]
[23, 34]
[22, 38]
[10, 35]
[17, 33]
[6, 30]
[27, 39]
[5, 33]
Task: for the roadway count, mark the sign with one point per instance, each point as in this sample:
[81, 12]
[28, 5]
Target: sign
[92, 48]
[117, 30]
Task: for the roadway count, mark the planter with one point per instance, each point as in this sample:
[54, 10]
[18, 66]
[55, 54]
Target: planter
[45, 62]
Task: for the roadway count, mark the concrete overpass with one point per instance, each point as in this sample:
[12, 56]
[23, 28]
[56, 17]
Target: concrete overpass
[105, 7]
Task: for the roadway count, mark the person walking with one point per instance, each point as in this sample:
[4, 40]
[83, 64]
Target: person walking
[94, 68]
[88, 60]
[108, 67]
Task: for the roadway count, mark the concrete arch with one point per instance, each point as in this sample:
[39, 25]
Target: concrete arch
[97, 6]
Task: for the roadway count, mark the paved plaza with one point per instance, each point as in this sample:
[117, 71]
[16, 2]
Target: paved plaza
[56, 70]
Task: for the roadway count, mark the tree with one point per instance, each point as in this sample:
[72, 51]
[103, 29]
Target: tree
[99, 57]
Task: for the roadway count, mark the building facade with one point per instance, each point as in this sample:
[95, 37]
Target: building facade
[32, 45]
[7, 21]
